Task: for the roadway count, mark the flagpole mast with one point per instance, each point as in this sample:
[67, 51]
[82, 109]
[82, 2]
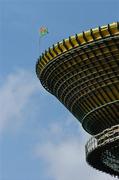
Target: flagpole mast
[39, 42]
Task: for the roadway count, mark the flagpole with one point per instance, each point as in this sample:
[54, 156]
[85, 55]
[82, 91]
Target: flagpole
[39, 45]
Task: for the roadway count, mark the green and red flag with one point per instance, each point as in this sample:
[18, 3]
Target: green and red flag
[43, 31]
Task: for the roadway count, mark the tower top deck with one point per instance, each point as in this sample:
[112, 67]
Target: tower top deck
[78, 40]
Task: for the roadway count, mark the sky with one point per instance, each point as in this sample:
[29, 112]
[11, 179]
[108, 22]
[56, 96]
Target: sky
[39, 138]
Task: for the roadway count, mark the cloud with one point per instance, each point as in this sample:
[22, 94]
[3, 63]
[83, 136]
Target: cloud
[16, 92]
[65, 158]
[61, 145]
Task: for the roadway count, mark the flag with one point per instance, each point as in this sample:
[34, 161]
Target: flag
[43, 31]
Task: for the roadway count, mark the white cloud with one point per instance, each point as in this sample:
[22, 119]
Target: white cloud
[65, 159]
[61, 146]
[15, 93]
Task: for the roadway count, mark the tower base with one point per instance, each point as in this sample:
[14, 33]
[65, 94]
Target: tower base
[102, 151]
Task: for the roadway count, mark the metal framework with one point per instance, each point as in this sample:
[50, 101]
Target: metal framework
[104, 149]
[83, 73]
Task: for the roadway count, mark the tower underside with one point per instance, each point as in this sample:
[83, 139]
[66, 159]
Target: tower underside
[83, 73]
[104, 149]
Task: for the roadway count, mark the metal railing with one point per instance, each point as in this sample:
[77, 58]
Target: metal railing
[107, 136]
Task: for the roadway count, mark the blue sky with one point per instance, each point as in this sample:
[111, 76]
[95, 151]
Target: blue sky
[39, 138]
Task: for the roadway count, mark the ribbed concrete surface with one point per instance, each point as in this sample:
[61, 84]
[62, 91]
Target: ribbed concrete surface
[83, 73]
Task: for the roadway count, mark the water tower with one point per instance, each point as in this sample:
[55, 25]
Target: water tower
[83, 73]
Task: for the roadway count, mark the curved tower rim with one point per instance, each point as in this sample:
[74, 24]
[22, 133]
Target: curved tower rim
[79, 40]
